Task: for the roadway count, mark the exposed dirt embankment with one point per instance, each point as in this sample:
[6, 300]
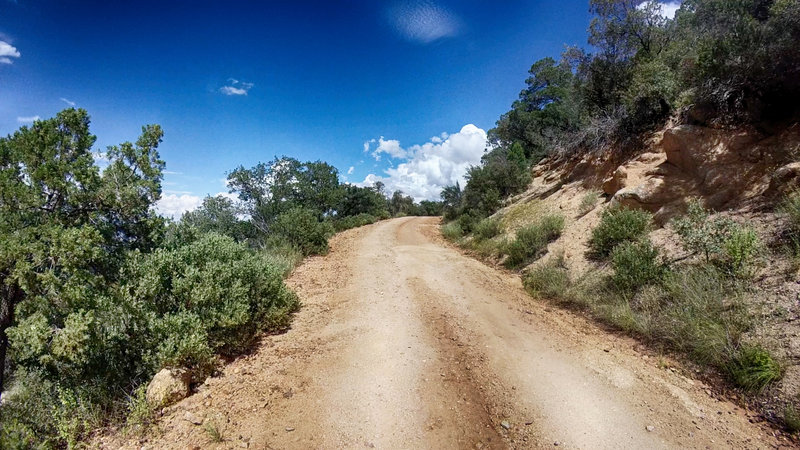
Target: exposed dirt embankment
[741, 174]
[403, 342]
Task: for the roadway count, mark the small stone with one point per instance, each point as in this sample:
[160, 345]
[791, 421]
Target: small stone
[650, 428]
[505, 425]
[244, 445]
[236, 371]
[192, 418]
[289, 429]
[556, 443]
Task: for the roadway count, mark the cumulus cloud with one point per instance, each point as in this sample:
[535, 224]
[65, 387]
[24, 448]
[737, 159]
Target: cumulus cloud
[390, 147]
[174, 205]
[8, 51]
[435, 164]
[68, 102]
[236, 87]
[422, 21]
[29, 119]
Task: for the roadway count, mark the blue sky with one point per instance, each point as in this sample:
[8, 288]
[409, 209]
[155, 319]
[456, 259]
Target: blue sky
[401, 91]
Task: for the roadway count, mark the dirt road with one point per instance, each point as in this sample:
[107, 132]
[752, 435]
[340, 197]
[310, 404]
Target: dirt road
[403, 342]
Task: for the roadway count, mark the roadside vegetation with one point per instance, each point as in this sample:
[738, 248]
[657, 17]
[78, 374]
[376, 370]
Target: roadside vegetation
[98, 293]
[716, 63]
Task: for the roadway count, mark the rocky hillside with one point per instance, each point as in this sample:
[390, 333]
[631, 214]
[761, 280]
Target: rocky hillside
[739, 174]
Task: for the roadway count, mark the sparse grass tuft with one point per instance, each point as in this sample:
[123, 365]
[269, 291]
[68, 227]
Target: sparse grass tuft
[790, 209]
[549, 280]
[140, 413]
[618, 225]
[588, 202]
[214, 430]
[753, 368]
[532, 240]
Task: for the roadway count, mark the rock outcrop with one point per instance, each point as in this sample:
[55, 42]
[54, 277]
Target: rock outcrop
[168, 386]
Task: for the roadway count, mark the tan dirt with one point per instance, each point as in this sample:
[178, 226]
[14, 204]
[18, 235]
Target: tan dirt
[403, 342]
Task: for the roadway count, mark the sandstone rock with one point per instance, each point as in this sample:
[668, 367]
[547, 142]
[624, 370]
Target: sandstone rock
[192, 418]
[650, 195]
[784, 179]
[616, 181]
[168, 386]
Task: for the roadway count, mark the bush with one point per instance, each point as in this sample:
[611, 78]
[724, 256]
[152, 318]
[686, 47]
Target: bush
[345, 223]
[531, 241]
[740, 250]
[211, 296]
[635, 264]
[720, 240]
[301, 228]
[487, 229]
[549, 280]
[452, 231]
[753, 368]
[467, 222]
[790, 209]
[618, 225]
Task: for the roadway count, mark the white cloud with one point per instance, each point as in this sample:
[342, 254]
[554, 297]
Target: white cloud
[432, 166]
[351, 170]
[8, 51]
[30, 119]
[68, 102]
[390, 147]
[667, 8]
[423, 21]
[100, 157]
[174, 205]
[236, 87]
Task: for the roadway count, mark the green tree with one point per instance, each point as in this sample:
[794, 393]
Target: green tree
[64, 231]
[220, 215]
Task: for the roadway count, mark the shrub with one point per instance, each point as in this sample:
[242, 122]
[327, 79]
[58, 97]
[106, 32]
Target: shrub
[618, 225]
[487, 228]
[210, 296]
[753, 368]
[301, 228]
[635, 264]
[699, 233]
[740, 250]
[720, 240]
[791, 418]
[532, 240]
[452, 231]
[345, 223]
[549, 280]
[467, 222]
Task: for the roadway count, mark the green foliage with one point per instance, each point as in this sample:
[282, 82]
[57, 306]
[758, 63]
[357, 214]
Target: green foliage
[618, 225]
[211, 296]
[140, 414]
[791, 418]
[348, 222]
[731, 246]
[531, 241]
[452, 231]
[635, 264]
[301, 228]
[753, 368]
[549, 280]
[219, 215]
[487, 229]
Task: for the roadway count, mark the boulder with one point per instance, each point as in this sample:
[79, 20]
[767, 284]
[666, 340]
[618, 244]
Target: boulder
[616, 181]
[785, 179]
[168, 386]
[649, 196]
